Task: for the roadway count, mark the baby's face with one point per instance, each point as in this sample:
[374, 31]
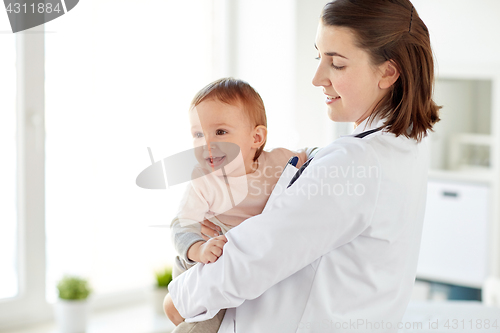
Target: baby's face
[213, 123]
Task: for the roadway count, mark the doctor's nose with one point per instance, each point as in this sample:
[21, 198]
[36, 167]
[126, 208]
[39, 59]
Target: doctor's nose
[320, 78]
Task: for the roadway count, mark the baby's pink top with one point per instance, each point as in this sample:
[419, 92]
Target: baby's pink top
[209, 196]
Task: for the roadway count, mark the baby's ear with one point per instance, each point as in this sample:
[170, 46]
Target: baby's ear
[259, 136]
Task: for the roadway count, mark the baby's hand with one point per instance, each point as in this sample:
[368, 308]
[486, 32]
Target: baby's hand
[211, 250]
[209, 229]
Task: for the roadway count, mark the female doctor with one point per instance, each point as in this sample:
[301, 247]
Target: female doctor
[337, 251]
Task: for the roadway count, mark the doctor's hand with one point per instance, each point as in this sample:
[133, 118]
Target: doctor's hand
[207, 252]
[209, 229]
[171, 311]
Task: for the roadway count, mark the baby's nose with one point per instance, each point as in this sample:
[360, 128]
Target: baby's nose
[210, 145]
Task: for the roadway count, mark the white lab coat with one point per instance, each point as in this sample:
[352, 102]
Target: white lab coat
[319, 261]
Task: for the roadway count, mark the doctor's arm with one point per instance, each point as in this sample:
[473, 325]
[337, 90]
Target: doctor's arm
[319, 213]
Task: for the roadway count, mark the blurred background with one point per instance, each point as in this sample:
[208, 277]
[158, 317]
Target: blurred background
[83, 96]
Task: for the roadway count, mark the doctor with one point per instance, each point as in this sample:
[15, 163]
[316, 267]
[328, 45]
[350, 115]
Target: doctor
[338, 250]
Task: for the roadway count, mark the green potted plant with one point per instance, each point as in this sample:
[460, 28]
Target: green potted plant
[163, 278]
[72, 306]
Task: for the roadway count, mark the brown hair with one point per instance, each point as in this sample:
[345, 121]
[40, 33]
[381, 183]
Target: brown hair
[392, 30]
[232, 91]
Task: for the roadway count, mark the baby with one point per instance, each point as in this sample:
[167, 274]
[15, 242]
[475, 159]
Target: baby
[233, 180]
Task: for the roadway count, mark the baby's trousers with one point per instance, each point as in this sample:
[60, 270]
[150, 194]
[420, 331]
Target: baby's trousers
[208, 326]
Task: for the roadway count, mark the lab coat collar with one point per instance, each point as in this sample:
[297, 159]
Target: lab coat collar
[366, 126]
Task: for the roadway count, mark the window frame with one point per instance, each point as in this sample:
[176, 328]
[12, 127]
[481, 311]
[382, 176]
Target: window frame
[29, 305]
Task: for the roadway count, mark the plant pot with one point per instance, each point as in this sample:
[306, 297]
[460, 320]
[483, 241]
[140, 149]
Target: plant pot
[71, 315]
[158, 297]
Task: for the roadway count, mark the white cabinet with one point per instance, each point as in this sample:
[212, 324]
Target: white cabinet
[454, 245]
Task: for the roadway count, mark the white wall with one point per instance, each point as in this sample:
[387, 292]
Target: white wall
[463, 32]
[316, 129]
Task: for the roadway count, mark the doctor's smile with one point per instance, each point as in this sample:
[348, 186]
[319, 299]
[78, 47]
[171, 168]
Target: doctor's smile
[331, 99]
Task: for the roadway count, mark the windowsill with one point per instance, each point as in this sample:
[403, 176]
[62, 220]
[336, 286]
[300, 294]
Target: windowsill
[138, 318]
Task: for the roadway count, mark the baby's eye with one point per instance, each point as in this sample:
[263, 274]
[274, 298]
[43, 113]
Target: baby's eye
[197, 135]
[220, 132]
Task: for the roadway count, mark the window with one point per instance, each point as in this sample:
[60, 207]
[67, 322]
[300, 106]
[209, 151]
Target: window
[24, 201]
[114, 88]
[8, 214]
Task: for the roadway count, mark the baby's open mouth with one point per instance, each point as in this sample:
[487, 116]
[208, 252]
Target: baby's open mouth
[214, 161]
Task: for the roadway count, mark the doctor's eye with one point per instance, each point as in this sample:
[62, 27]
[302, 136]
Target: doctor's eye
[338, 67]
[220, 132]
[197, 135]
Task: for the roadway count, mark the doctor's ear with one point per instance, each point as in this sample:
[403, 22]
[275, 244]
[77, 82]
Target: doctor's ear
[259, 136]
[390, 74]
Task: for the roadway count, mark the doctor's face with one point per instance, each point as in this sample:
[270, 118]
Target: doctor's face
[349, 80]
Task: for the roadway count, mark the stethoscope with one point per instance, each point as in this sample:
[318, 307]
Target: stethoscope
[293, 161]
